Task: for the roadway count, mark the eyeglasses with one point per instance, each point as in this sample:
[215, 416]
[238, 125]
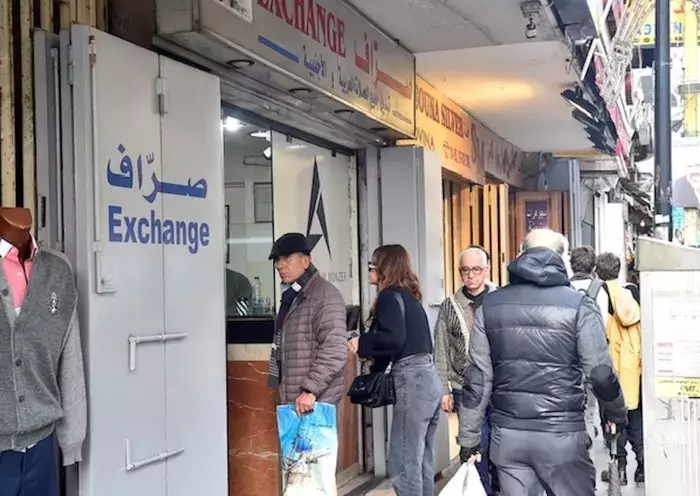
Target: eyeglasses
[466, 271]
[371, 267]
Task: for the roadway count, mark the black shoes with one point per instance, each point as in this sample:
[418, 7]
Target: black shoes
[605, 475]
[639, 473]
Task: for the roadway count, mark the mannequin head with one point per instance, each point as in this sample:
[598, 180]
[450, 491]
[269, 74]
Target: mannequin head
[15, 227]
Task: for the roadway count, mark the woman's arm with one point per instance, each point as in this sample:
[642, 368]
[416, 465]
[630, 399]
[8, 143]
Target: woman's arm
[389, 334]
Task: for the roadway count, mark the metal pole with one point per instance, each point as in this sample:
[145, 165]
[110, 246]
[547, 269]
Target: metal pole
[662, 121]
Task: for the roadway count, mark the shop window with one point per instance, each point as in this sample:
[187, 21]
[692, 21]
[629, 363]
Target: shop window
[250, 280]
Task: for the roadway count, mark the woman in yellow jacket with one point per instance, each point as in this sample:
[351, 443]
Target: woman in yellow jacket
[625, 342]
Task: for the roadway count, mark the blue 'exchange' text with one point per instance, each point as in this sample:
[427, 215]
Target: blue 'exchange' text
[152, 230]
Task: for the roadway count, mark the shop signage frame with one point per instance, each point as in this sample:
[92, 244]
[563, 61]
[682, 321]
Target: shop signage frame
[326, 44]
[467, 148]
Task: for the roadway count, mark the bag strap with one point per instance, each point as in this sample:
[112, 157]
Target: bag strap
[462, 322]
[594, 288]
[402, 306]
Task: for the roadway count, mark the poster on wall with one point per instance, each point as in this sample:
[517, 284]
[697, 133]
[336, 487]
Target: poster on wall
[313, 195]
[685, 148]
[677, 223]
[536, 215]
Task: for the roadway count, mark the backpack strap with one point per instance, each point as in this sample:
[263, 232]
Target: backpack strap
[594, 288]
[462, 322]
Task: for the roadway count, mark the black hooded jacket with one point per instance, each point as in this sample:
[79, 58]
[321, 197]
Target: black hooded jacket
[533, 342]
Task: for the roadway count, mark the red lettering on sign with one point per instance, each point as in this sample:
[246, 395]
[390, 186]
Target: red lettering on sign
[321, 16]
[312, 19]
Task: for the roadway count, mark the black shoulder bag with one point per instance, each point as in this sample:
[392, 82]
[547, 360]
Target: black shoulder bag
[376, 389]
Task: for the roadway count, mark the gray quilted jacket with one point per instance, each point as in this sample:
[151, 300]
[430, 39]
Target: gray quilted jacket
[314, 344]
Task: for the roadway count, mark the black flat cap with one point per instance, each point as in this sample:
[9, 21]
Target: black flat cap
[288, 244]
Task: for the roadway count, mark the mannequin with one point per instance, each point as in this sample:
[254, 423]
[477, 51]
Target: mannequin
[42, 384]
[15, 224]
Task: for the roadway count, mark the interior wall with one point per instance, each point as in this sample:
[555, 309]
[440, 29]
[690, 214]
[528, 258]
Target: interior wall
[249, 242]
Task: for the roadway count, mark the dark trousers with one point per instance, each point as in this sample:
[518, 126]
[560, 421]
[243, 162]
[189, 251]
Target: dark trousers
[29, 474]
[633, 433]
[483, 466]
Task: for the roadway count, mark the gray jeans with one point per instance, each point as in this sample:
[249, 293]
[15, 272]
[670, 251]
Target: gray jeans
[414, 425]
[530, 463]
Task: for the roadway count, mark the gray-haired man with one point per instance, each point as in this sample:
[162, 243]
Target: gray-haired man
[454, 325]
[532, 343]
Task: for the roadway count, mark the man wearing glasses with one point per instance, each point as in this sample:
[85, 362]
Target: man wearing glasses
[452, 332]
[309, 351]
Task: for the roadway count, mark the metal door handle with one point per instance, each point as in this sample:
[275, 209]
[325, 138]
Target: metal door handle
[161, 457]
[156, 338]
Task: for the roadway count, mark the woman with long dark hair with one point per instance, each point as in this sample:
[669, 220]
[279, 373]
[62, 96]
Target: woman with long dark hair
[400, 337]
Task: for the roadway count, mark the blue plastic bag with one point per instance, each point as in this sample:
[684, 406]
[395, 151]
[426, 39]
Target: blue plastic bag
[309, 450]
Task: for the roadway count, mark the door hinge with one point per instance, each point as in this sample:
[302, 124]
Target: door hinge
[92, 57]
[162, 93]
[71, 66]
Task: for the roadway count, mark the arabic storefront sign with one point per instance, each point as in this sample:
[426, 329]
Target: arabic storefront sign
[500, 158]
[647, 33]
[328, 44]
[444, 126]
[151, 229]
[467, 147]
[536, 215]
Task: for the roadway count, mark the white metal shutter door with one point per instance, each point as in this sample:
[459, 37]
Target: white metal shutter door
[114, 81]
[194, 283]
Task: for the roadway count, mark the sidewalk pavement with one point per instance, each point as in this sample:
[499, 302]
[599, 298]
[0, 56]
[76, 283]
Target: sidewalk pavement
[598, 452]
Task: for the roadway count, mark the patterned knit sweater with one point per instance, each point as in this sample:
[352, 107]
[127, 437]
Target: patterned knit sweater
[450, 345]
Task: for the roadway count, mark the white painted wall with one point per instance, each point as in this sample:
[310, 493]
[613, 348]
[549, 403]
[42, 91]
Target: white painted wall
[249, 242]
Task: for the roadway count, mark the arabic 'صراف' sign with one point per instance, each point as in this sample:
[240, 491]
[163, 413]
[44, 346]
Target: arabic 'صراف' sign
[124, 228]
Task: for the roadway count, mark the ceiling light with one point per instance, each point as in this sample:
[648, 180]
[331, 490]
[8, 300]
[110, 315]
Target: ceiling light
[240, 63]
[267, 152]
[261, 134]
[232, 125]
[300, 91]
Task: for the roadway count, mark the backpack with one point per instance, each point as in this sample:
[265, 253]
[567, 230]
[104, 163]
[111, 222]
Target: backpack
[593, 288]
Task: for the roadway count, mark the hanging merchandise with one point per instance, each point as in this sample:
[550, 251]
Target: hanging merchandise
[42, 383]
[309, 450]
[466, 482]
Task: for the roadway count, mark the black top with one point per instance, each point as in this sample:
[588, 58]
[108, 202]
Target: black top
[392, 337]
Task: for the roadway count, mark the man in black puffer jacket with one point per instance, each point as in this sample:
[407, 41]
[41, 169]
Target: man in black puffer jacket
[532, 343]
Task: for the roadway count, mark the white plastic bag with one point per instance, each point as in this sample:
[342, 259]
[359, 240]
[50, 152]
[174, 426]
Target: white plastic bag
[466, 482]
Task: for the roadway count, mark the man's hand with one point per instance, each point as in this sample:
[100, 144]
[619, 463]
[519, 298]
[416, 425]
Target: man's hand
[470, 455]
[447, 403]
[354, 344]
[619, 421]
[305, 403]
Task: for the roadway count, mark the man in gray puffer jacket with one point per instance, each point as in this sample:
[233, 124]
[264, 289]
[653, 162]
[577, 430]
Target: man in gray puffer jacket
[532, 343]
[310, 350]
